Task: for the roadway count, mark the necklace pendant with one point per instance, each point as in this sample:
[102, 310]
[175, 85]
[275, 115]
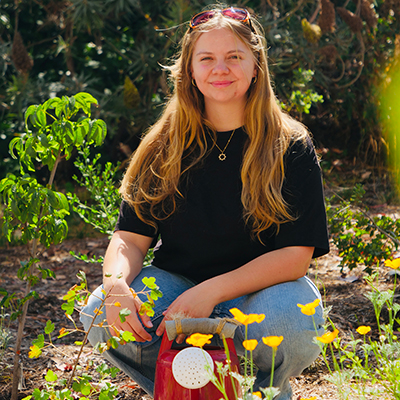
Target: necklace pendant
[222, 157]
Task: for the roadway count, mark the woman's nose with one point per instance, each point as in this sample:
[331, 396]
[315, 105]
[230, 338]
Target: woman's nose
[220, 67]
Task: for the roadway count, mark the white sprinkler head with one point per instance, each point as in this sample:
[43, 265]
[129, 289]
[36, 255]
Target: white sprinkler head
[189, 368]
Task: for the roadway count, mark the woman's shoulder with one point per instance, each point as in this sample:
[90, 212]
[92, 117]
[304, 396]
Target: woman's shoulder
[301, 150]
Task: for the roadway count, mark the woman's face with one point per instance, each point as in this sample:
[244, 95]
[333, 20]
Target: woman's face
[223, 67]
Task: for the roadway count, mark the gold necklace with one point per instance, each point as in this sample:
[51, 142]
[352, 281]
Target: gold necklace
[222, 156]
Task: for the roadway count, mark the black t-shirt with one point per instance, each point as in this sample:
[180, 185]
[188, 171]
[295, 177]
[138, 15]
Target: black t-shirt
[207, 236]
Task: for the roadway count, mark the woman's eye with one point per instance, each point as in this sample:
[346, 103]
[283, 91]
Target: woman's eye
[205, 59]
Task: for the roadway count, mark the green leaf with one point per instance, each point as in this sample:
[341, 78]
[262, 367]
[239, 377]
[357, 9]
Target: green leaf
[51, 197]
[51, 376]
[17, 144]
[150, 282]
[49, 328]
[68, 307]
[85, 100]
[123, 314]
[114, 342]
[71, 104]
[39, 342]
[30, 111]
[86, 390]
[156, 294]
[128, 336]
[51, 103]
[41, 117]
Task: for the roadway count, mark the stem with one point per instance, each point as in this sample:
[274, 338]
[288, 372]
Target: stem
[272, 366]
[83, 343]
[245, 352]
[366, 354]
[251, 368]
[335, 363]
[228, 359]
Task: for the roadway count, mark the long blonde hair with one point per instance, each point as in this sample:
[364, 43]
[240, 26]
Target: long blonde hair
[177, 141]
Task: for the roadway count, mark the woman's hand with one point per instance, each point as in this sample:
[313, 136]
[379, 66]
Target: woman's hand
[124, 257]
[196, 302]
[122, 296]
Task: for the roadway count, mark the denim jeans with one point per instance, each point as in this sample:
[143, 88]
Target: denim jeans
[282, 318]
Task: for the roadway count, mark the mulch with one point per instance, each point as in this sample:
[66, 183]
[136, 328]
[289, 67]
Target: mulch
[344, 293]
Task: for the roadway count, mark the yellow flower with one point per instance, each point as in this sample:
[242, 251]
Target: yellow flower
[250, 344]
[246, 319]
[309, 308]
[258, 394]
[328, 337]
[393, 264]
[35, 351]
[363, 330]
[272, 341]
[309, 398]
[198, 339]
[117, 304]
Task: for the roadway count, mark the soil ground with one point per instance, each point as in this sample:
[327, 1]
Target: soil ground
[345, 293]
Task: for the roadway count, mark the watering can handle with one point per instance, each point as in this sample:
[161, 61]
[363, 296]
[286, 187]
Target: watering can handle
[221, 326]
[187, 326]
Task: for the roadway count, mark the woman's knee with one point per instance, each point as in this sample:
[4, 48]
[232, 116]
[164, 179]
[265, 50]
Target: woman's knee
[87, 315]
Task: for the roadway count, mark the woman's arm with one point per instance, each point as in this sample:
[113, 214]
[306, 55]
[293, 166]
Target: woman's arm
[278, 266]
[125, 255]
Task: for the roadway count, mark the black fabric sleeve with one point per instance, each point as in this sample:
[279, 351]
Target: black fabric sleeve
[303, 191]
[129, 221]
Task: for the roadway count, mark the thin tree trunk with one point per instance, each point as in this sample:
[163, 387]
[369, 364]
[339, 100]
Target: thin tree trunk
[22, 317]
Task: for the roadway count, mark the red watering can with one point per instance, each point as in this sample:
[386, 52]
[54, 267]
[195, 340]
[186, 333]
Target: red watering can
[181, 372]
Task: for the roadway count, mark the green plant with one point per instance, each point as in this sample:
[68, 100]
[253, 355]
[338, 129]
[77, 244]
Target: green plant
[364, 367]
[82, 385]
[302, 97]
[102, 208]
[360, 237]
[52, 131]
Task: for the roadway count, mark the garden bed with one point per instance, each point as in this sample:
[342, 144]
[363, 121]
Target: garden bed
[344, 293]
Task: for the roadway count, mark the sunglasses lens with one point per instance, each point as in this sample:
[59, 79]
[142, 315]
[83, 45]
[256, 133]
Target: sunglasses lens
[235, 13]
[201, 18]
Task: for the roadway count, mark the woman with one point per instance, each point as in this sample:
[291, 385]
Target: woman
[232, 187]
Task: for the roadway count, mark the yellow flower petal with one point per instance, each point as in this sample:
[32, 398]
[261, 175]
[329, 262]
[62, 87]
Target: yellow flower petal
[309, 398]
[199, 339]
[117, 304]
[258, 394]
[363, 330]
[246, 319]
[272, 341]
[328, 337]
[309, 308]
[395, 264]
[250, 344]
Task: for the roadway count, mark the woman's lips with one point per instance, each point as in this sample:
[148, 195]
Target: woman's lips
[221, 84]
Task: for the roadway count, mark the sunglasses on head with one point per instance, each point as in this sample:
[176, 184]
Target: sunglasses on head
[239, 14]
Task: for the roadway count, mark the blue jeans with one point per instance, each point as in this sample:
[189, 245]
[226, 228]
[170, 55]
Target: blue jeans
[282, 318]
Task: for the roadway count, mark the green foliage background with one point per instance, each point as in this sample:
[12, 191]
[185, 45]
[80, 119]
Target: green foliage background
[115, 49]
